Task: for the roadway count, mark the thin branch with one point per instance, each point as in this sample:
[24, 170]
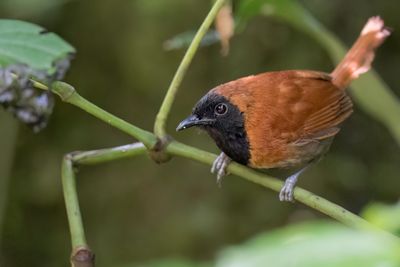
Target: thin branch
[316, 202]
[77, 232]
[69, 95]
[82, 255]
[36, 84]
[175, 148]
[39, 85]
[107, 154]
[160, 122]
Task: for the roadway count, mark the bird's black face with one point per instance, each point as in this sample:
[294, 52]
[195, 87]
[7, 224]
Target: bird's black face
[224, 122]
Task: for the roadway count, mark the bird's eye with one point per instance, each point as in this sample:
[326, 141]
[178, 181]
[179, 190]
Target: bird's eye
[221, 109]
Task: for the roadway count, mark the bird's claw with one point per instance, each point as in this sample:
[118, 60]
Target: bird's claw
[287, 191]
[219, 167]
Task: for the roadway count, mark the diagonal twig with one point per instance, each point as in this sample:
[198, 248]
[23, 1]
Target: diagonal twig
[162, 115]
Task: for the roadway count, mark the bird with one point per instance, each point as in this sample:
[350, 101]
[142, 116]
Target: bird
[283, 119]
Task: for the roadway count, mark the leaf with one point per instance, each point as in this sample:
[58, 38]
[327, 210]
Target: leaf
[313, 244]
[384, 216]
[246, 10]
[168, 263]
[28, 51]
[184, 39]
[289, 10]
[24, 43]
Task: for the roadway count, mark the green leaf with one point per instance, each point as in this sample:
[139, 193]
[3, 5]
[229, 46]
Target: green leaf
[184, 39]
[384, 216]
[168, 263]
[25, 43]
[29, 51]
[313, 245]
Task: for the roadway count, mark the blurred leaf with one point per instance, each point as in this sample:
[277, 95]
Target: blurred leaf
[384, 216]
[169, 263]
[184, 39]
[369, 91]
[248, 9]
[25, 43]
[313, 245]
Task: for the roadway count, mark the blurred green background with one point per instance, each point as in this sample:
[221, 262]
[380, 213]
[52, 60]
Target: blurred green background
[136, 211]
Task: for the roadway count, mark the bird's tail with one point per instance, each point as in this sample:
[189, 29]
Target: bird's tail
[359, 58]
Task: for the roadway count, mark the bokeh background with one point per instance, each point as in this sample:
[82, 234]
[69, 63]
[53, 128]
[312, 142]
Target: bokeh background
[136, 211]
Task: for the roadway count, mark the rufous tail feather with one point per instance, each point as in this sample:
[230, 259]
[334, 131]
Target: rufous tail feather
[359, 58]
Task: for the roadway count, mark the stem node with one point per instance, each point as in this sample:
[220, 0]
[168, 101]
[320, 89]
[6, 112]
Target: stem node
[82, 257]
[64, 90]
[158, 153]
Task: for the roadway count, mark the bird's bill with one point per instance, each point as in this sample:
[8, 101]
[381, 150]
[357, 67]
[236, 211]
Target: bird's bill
[193, 120]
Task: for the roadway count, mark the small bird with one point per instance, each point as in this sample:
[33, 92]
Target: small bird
[283, 119]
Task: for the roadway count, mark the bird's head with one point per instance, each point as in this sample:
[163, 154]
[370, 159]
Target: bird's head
[224, 122]
[214, 113]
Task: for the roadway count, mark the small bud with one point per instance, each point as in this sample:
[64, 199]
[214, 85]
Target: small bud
[224, 25]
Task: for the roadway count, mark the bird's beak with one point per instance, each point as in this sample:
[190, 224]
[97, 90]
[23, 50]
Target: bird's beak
[190, 121]
[193, 120]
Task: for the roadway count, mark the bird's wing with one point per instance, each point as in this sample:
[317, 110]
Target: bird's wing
[325, 106]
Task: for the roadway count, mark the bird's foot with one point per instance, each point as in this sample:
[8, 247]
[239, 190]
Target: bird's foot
[287, 190]
[219, 166]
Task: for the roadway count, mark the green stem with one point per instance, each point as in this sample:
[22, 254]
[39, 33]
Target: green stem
[39, 85]
[179, 149]
[108, 154]
[36, 84]
[301, 195]
[78, 238]
[160, 122]
[69, 95]
[81, 255]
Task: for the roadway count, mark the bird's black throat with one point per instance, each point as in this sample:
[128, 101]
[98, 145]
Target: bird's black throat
[228, 131]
